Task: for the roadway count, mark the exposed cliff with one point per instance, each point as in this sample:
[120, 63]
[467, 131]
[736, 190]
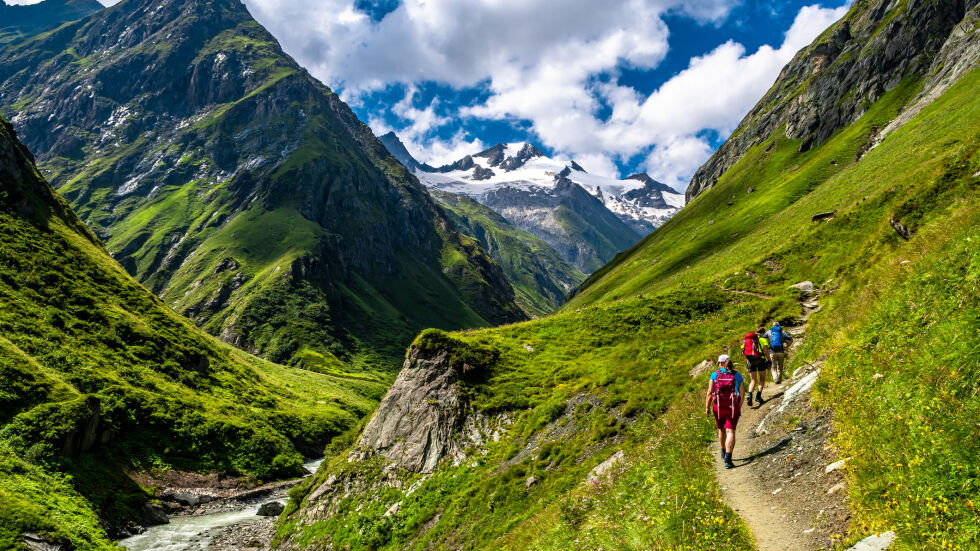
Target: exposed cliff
[832, 82]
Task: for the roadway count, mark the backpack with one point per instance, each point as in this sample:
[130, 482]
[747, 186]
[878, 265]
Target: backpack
[726, 388]
[776, 339]
[752, 349]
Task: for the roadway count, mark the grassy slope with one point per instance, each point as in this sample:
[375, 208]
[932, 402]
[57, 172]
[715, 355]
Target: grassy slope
[80, 336]
[353, 315]
[539, 276]
[914, 470]
[600, 380]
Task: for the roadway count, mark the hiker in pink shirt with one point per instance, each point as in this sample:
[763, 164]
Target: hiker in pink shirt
[725, 391]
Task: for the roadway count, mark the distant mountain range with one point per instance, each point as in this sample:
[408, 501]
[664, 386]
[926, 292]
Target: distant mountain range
[586, 218]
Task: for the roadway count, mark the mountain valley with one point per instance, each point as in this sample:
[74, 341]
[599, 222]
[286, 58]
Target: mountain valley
[240, 190]
[230, 279]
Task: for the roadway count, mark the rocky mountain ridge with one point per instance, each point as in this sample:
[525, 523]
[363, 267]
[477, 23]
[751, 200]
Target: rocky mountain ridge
[832, 82]
[240, 189]
[536, 193]
[19, 21]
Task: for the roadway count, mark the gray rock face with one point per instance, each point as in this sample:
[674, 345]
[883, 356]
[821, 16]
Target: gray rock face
[154, 514]
[422, 420]
[830, 83]
[575, 223]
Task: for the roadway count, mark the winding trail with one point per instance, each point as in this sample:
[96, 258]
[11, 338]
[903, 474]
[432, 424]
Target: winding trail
[772, 515]
[765, 514]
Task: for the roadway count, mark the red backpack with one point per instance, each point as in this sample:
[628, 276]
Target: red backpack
[752, 348]
[726, 391]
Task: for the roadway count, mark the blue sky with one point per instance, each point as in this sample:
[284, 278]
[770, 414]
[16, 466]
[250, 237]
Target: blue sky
[620, 86]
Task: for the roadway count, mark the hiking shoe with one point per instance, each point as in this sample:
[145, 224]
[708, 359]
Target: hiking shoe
[728, 462]
[750, 399]
[758, 397]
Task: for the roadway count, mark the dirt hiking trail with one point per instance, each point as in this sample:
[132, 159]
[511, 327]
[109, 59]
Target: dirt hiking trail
[785, 484]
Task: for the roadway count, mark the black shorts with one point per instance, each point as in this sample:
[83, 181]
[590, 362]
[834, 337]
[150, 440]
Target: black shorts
[757, 363]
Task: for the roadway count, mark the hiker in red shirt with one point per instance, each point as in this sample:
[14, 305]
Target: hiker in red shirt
[725, 391]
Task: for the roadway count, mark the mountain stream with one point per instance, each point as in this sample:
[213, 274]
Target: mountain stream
[186, 533]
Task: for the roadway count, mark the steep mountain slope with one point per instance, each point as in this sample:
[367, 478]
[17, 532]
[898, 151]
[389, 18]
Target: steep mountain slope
[241, 190]
[20, 21]
[98, 376]
[539, 276]
[521, 444]
[542, 196]
[832, 83]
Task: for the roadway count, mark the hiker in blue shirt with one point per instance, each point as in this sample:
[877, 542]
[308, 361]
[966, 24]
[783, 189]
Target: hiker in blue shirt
[778, 343]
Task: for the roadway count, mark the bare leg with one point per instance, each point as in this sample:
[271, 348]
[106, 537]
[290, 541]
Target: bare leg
[721, 438]
[752, 377]
[730, 441]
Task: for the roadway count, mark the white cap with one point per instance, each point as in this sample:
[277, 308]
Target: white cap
[723, 358]
[775, 324]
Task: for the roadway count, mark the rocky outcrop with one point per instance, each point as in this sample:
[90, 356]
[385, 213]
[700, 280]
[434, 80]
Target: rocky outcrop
[831, 83]
[424, 419]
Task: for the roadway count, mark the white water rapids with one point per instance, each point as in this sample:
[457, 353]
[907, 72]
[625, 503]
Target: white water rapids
[187, 533]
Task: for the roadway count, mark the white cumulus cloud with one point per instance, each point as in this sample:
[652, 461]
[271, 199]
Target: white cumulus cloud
[539, 61]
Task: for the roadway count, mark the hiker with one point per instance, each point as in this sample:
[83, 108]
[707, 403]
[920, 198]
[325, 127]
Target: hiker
[725, 391]
[764, 346]
[778, 342]
[756, 366]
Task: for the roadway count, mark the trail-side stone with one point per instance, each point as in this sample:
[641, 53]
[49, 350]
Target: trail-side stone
[877, 542]
[271, 509]
[806, 288]
[602, 469]
[792, 394]
[834, 466]
[701, 368]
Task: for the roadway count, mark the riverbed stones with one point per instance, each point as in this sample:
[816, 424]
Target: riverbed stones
[271, 509]
[154, 514]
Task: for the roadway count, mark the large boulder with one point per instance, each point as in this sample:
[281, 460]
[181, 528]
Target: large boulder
[154, 514]
[271, 509]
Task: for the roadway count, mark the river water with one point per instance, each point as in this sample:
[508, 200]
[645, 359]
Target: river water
[187, 533]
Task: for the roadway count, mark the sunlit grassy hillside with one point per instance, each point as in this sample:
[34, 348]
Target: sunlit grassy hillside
[98, 375]
[611, 370]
